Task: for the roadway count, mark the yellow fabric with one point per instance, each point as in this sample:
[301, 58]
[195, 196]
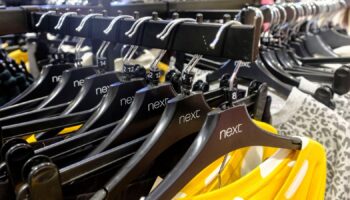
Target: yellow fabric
[164, 68]
[287, 174]
[207, 180]
[70, 129]
[32, 138]
[18, 56]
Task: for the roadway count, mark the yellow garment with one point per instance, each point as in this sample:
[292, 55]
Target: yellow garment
[164, 68]
[18, 56]
[70, 129]
[32, 138]
[287, 174]
[235, 166]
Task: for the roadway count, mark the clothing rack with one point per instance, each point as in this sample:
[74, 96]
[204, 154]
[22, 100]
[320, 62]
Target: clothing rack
[198, 34]
[16, 20]
[164, 8]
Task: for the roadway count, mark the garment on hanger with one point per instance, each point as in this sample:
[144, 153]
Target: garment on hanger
[304, 116]
[236, 164]
[88, 138]
[286, 174]
[342, 102]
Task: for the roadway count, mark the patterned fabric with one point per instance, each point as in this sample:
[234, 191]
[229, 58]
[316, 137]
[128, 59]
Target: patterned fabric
[342, 102]
[342, 106]
[304, 116]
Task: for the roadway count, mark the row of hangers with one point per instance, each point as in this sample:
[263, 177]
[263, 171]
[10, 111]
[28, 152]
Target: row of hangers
[288, 45]
[136, 120]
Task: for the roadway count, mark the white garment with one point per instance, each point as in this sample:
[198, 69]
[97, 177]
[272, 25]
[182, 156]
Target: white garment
[302, 115]
[343, 51]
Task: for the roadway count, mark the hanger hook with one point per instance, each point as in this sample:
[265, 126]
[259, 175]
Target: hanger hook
[43, 16]
[131, 51]
[283, 10]
[187, 76]
[272, 14]
[77, 51]
[85, 19]
[192, 63]
[131, 32]
[258, 12]
[100, 49]
[114, 21]
[277, 20]
[59, 48]
[157, 59]
[294, 19]
[62, 19]
[171, 25]
[104, 49]
[221, 30]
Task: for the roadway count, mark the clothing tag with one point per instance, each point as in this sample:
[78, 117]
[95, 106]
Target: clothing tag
[130, 68]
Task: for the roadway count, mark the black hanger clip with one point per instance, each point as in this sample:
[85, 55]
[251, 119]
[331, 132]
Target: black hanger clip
[325, 94]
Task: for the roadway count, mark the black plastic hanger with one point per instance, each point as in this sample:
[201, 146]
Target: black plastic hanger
[114, 105]
[69, 86]
[120, 94]
[142, 116]
[270, 60]
[183, 117]
[277, 60]
[110, 158]
[89, 96]
[67, 149]
[81, 141]
[95, 87]
[223, 131]
[254, 71]
[41, 125]
[113, 158]
[333, 38]
[147, 106]
[32, 115]
[43, 86]
[21, 107]
[316, 46]
[290, 67]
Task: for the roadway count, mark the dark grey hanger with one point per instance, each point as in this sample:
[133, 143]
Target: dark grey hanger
[223, 131]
